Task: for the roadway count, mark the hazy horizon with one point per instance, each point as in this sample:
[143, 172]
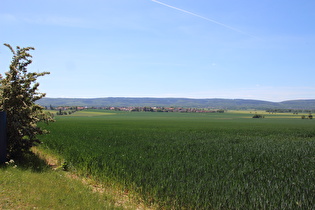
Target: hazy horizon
[174, 98]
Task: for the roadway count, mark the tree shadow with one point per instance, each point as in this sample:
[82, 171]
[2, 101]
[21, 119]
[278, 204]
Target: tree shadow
[31, 161]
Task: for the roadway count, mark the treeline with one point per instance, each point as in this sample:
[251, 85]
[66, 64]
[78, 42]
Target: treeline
[67, 110]
[164, 109]
[294, 111]
[61, 112]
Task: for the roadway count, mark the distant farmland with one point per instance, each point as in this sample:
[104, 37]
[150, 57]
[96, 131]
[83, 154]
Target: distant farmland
[194, 160]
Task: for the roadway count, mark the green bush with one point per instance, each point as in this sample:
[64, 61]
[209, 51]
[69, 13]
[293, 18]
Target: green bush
[258, 116]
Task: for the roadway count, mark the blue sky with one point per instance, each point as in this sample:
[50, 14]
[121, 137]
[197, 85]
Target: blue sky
[169, 48]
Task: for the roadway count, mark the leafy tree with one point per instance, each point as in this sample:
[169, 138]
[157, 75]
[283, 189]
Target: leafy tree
[18, 97]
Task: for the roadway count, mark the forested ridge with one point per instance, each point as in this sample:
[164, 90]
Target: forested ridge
[179, 102]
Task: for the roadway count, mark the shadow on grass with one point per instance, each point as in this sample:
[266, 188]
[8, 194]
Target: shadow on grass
[30, 161]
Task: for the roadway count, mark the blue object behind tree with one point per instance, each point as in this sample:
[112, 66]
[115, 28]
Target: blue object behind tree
[3, 137]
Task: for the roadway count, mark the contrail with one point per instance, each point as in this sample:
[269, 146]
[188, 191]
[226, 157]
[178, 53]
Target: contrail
[208, 19]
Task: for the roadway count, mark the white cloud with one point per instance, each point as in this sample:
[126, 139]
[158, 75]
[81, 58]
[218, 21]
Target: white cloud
[46, 20]
[7, 18]
[58, 20]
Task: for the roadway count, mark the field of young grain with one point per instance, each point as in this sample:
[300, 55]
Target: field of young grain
[194, 160]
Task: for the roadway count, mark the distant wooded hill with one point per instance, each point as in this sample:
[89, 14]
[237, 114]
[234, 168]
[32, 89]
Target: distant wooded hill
[178, 102]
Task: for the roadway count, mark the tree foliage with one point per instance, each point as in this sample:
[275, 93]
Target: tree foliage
[258, 116]
[18, 96]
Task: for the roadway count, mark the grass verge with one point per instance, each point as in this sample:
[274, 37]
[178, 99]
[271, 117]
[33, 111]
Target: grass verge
[32, 184]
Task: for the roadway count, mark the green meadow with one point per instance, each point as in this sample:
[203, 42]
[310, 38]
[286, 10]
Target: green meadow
[193, 160]
[31, 184]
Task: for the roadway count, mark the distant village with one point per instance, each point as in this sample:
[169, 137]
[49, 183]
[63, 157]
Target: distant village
[64, 110]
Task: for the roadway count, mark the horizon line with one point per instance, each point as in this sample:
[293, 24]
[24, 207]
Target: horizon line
[143, 97]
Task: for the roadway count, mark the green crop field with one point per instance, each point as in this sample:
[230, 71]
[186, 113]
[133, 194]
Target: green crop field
[194, 160]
